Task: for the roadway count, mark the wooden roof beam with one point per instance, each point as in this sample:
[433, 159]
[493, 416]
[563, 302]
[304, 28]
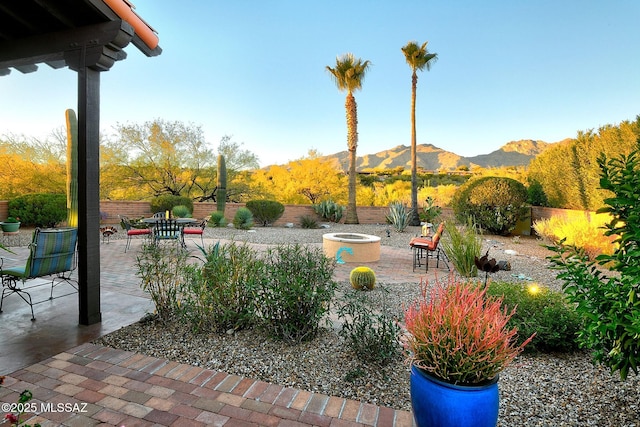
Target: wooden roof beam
[100, 39]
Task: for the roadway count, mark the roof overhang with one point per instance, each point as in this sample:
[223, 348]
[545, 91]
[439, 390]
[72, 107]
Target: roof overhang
[73, 33]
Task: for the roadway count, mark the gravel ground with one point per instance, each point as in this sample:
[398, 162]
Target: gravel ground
[536, 390]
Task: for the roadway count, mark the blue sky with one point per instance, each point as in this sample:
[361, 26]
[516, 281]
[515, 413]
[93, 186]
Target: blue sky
[255, 70]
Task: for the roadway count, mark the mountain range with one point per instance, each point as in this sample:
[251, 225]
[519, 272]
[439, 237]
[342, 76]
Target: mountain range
[432, 158]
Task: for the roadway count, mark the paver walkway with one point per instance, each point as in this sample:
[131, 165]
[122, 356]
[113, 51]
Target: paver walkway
[92, 385]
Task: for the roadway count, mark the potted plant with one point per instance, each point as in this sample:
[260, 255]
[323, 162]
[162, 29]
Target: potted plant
[10, 225]
[457, 343]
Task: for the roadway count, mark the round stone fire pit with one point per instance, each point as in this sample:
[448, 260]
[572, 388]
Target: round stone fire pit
[351, 247]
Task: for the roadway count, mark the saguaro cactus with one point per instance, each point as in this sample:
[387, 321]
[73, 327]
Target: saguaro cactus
[72, 168]
[221, 195]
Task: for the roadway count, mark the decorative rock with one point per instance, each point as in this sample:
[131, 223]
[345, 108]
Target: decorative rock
[539, 389]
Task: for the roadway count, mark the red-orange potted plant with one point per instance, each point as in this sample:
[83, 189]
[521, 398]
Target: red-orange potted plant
[458, 342]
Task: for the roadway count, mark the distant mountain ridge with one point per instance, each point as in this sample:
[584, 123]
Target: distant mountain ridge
[432, 158]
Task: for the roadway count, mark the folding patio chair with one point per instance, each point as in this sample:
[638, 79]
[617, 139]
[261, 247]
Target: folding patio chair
[52, 252]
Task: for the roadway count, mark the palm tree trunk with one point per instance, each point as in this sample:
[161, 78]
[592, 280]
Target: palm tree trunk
[351, 216]
[415, 217]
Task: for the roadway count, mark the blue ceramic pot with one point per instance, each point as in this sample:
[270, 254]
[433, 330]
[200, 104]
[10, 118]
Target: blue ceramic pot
[439, 404]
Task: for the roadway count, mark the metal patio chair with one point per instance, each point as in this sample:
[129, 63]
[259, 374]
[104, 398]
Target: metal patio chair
[425, 248]
[196, 230]
[132, 231]
[52, 252]
[168, 229]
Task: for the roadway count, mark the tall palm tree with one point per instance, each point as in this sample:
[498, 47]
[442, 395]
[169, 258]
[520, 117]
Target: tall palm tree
[418, 58]
[348, 75]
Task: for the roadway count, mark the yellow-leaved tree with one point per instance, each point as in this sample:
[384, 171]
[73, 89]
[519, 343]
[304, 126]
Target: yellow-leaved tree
[308, 180]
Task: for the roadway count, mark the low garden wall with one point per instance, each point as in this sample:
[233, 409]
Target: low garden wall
[110, 211]
[292, 213]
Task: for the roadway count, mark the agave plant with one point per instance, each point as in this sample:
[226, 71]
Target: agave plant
[399, 215]
[329, 210]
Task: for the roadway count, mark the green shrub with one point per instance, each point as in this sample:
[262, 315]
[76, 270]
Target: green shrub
[608, 303]
[536, 195]
[541, 311]
[217, 219]
[430, 211]
[181, 211]
[295, 291]
[399, 216]
[371, 335]
[329, 210]
[496, 204]
[166, 202]
[462, 246]
[39, 210]
[309, 222]
[243, 219]
[265, 212]
[161, 271]
[219, 295]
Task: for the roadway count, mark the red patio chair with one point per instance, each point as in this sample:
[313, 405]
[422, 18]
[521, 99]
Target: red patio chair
[196, 230]
[425, 248]
[132, 231]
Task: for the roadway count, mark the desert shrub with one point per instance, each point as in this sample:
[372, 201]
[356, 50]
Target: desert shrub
[309, 222]
[219, 295]
[371, 335]
[243, 219]
[462, 245]
[583, 231]
[430, 211]
[217, 219]
[399, 216]
[294, 291]
[608, 303]
[161, 271]
[166, 202]
[329, 210]
[265, 212]
[542, 311]
[39, 210]
[495, 203]
[136, 222]
[536, 195]
[181, 211]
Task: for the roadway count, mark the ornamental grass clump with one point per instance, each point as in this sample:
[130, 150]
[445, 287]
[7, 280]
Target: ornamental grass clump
[459, 335]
